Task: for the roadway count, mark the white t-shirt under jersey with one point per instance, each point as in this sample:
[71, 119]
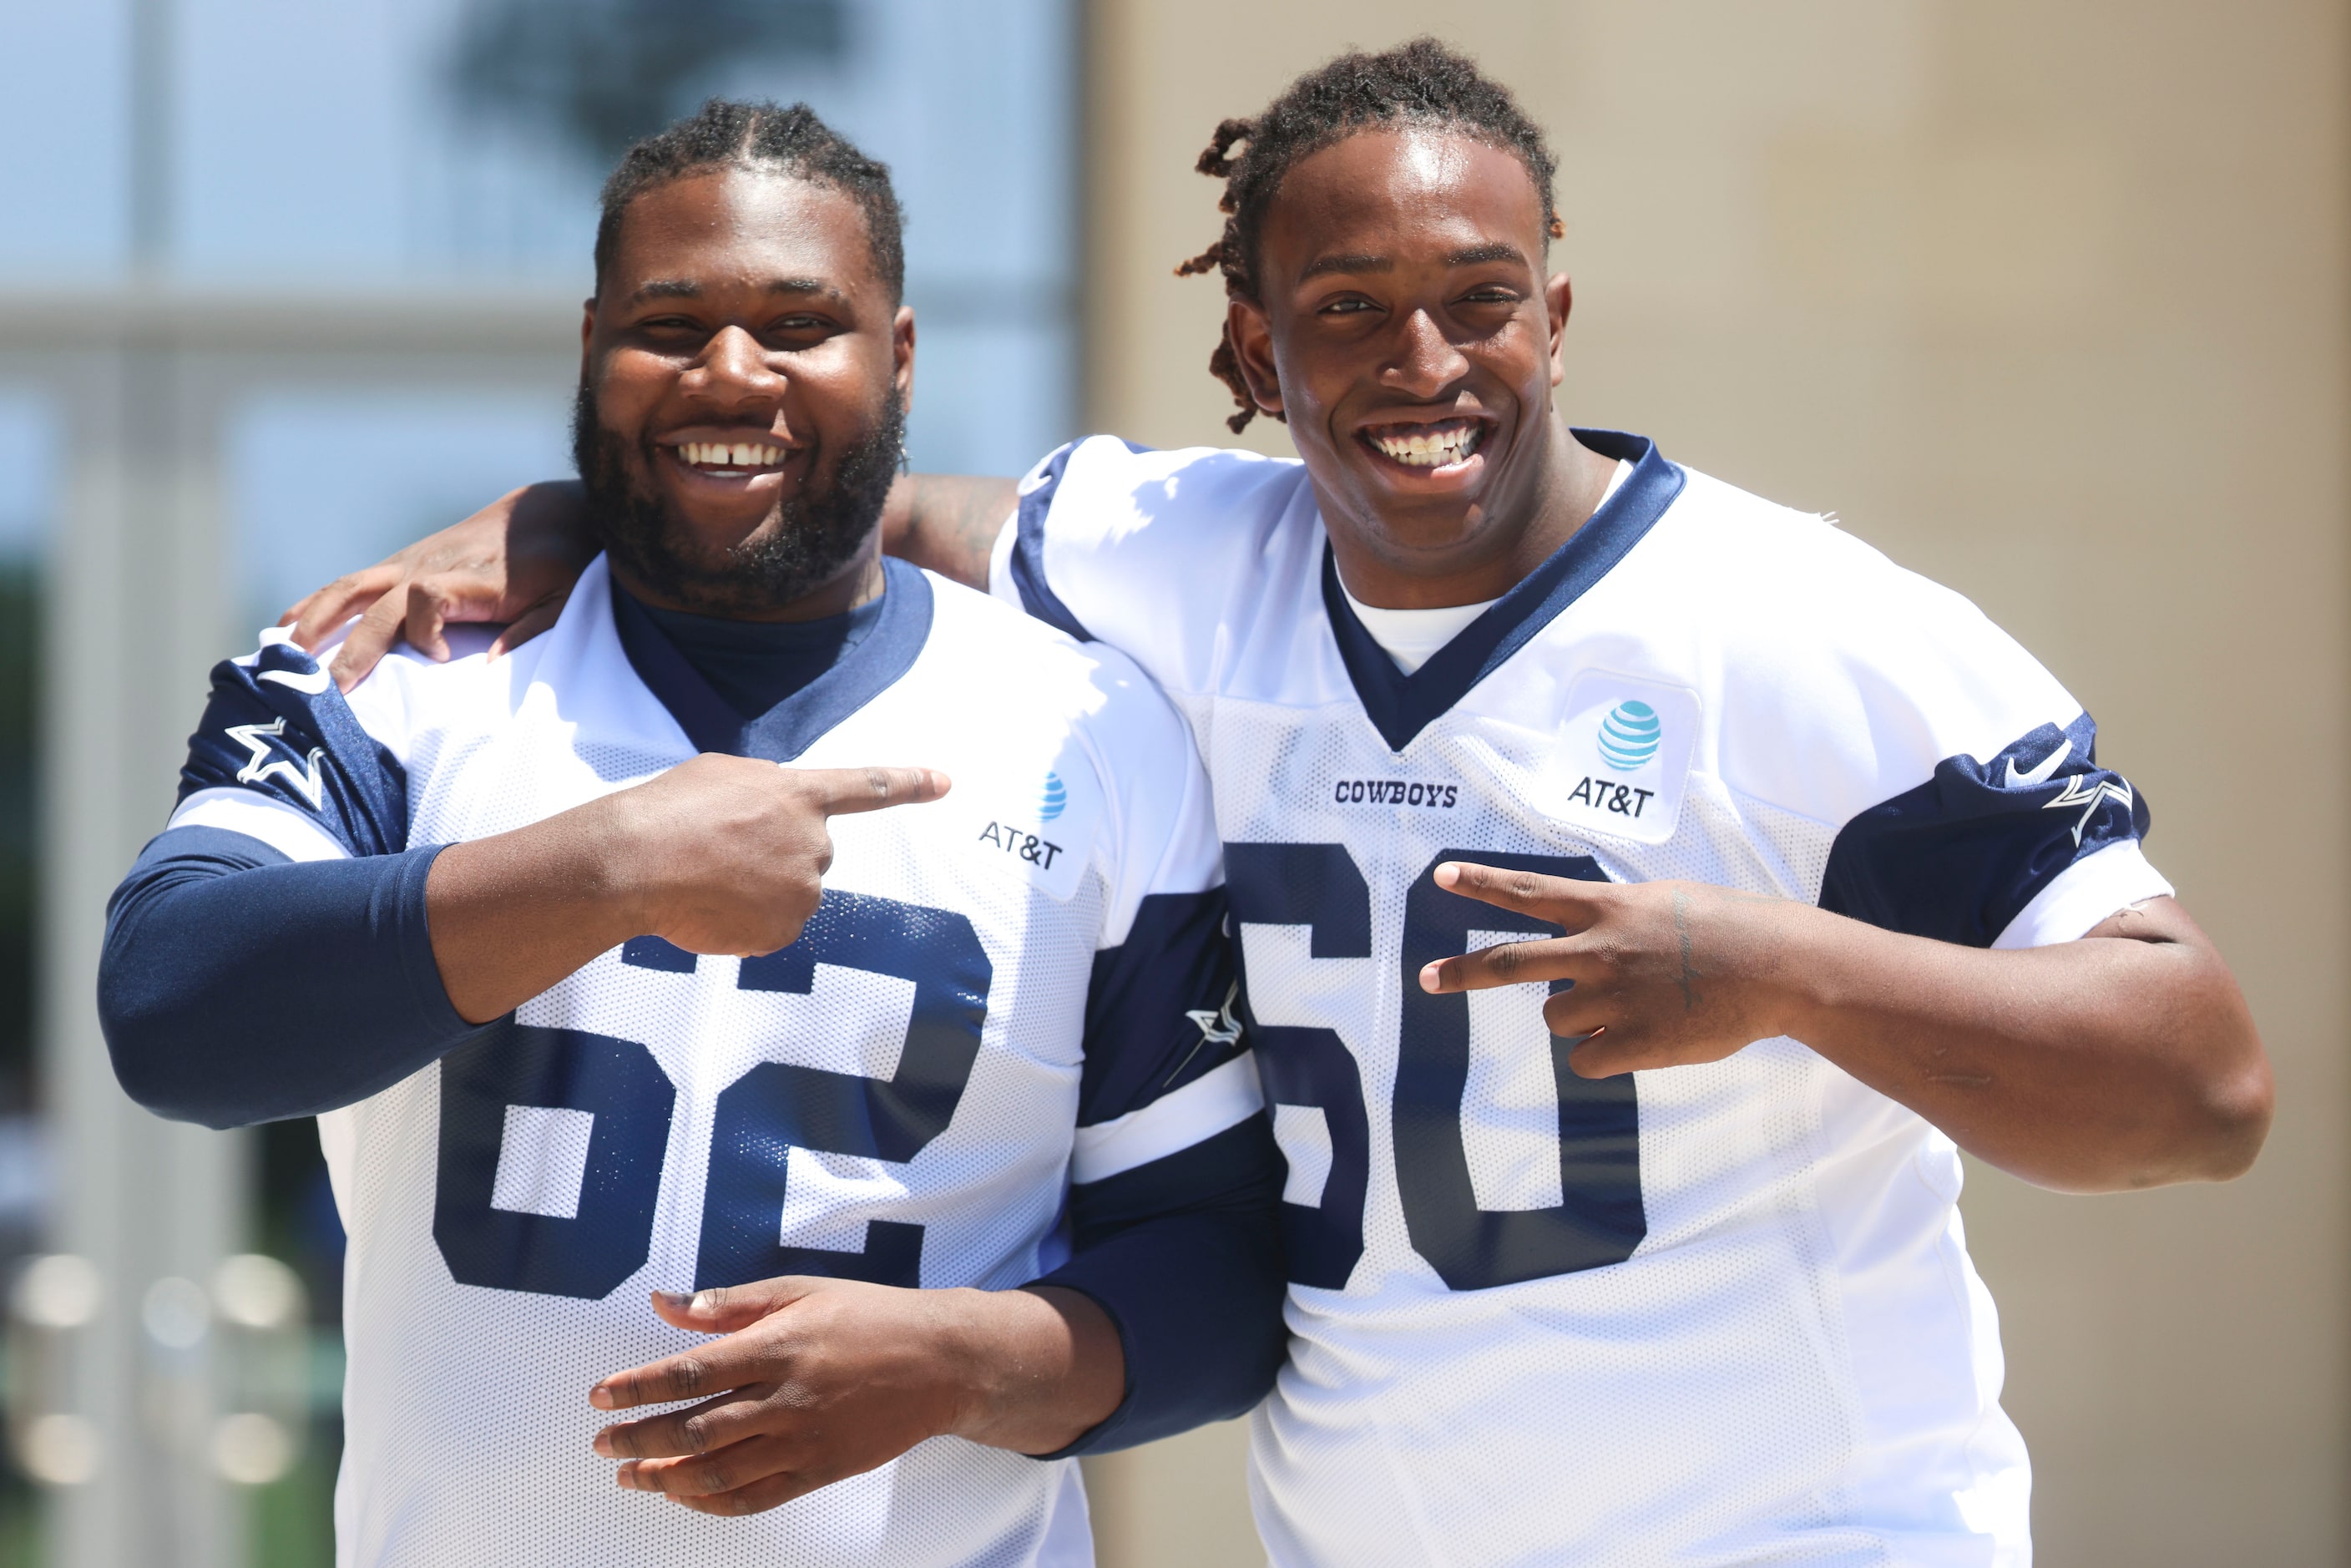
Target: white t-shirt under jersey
[1410, 636]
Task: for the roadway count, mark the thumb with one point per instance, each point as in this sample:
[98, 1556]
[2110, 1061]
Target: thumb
[723, 1309]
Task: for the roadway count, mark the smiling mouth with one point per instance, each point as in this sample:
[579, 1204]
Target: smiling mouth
[737, 459]
[1438, 444]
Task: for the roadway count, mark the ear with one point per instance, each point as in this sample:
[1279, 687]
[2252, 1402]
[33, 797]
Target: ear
[1559, 297]
[902, 355]
[1252, 340]
[587, 334]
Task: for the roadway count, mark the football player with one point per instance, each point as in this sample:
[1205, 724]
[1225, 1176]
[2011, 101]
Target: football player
[1644, 893]
[592, 997]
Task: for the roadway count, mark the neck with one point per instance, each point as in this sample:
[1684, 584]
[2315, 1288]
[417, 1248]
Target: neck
[1487, 560]
[857, 582]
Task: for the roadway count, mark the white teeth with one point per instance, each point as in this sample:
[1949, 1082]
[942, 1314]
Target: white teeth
[1424, 449]
[726, 455]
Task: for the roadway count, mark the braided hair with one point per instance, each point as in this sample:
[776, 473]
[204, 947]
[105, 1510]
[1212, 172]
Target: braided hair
[1422, 83]
[728, 133]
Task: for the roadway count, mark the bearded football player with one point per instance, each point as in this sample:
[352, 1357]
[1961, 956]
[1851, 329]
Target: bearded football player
[653, 983]
[1643, 894]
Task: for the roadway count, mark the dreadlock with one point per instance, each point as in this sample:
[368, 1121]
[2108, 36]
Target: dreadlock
[1422, 83]
[725, 133]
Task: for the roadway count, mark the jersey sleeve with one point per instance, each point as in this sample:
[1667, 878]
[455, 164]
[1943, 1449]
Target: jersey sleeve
[268, 956]
[281, 756]
[1166, 1064]
[1175, 1176]
[1146, 550]
[1993, 822]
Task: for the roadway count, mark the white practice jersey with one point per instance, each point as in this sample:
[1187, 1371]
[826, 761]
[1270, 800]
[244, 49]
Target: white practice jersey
[1717, 1314]
[1002, 992]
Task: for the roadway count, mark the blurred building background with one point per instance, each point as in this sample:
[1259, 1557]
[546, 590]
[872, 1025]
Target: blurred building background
[2048, 300]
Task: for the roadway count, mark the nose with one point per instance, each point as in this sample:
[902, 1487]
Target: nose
[733, 372]
[1425, 362]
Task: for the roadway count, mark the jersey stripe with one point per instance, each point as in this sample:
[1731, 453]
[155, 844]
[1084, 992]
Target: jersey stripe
[1201, 1109]
[292, 833]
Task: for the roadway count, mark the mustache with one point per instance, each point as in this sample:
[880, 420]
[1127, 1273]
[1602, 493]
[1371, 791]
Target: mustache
[808, 540]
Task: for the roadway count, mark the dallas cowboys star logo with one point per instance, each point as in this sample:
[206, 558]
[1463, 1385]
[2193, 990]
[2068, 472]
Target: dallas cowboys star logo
[265, 741]
[2089, 799]
[1218, 1027]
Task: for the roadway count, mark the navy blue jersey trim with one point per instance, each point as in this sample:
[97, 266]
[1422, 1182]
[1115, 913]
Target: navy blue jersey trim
[1958, 857]
[1159, 1006]
[1037, 595]
[280, 728]
[1400, 705]
[865, 670]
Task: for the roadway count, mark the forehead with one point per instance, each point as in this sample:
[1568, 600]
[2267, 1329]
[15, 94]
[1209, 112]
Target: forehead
[753, 225]
[1378, 191]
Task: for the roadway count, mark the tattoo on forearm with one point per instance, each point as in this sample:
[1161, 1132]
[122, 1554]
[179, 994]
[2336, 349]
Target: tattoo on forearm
[1690, 974]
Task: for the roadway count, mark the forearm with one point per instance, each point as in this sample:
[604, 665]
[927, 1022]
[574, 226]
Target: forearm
[1043, 1365]
[946, 523]
[514, 913]
[236, 986]
[1185, 1257]
[2106, 1063]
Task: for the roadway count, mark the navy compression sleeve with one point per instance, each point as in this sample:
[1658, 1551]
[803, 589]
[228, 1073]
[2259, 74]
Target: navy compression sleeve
[237, 985]
[1184, 1254]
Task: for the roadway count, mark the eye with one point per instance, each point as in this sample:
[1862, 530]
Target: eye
[799, 327]
[1492, 294]
[1345, 305]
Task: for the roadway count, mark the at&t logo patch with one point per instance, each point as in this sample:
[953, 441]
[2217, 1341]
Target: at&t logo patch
[1623, 756]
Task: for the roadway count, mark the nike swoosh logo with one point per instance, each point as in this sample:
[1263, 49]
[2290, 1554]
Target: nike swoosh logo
[2041, 771]
[317, 681]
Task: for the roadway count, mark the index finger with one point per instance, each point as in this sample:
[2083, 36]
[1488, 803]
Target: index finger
[838, 790]
[1528, 893]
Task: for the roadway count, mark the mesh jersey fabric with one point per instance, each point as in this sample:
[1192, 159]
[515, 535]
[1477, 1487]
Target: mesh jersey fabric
[1708, 1315]
[906, 1095]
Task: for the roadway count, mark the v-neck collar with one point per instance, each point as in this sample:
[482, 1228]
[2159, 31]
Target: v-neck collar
[864, 672]
[1400, 705]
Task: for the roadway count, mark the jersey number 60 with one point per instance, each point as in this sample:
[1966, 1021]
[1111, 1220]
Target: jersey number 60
[1599, 1219]
[774, 1108]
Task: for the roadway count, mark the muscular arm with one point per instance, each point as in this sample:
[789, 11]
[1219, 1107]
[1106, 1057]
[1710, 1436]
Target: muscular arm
[948, 523]
[2126, 1059]
[720, 854]
[513, 564]
[237, 986]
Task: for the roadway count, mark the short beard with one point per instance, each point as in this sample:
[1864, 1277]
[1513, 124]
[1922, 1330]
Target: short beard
[810, 537]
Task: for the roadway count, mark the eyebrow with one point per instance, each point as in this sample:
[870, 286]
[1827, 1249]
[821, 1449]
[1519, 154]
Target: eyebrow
[1321, 265]
[1493, 250]
[687, 288]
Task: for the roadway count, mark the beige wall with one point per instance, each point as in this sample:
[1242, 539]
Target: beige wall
[2047, 299]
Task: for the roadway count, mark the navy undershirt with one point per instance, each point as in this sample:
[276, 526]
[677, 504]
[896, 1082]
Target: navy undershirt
[754, 664]
[237, 985]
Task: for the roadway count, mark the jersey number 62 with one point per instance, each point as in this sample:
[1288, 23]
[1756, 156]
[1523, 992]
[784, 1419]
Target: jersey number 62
[617, 1095]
